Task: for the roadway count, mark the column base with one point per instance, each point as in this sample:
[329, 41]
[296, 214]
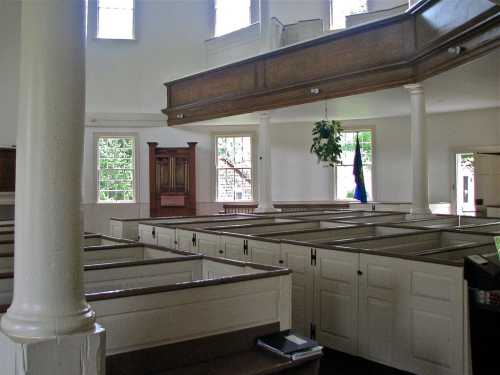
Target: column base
[23, 326]
[420, 211]
[79, 354]
[266, 210]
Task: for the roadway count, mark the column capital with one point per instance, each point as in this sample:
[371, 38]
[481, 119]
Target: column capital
[415, 88]
[264, 116]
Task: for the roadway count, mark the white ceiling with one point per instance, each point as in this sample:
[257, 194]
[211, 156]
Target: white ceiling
[475, 85]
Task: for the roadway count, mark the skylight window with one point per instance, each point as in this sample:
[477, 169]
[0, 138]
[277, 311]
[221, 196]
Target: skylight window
[340, 9]
[231, 15]
[115, 19]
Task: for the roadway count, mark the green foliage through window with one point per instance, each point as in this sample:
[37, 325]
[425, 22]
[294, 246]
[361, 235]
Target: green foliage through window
[116, 169]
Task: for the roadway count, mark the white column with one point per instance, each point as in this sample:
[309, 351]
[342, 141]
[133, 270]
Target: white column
[49, 299]
[264, 165]
[420, 180]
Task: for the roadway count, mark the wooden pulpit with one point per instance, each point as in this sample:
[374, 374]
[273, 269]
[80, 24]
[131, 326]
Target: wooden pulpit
[172, 180]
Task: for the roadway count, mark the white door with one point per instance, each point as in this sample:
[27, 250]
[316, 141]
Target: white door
[263, 252]
[147, 234]
[435, 318]
[487, 177]
[234, 248]
[336, 299]
[380, 309]
[165, 237]
[208, 244]
[298, 259]
[185, 240]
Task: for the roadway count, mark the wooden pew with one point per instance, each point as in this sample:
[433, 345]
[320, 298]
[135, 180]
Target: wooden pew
[158, 302]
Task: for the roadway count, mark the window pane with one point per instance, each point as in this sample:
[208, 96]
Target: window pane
[116, 169]
[234, 168]
[116, 19]
[342, 8]
[231, 15]
[345, 183]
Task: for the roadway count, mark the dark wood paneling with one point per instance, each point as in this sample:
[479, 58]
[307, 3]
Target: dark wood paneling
[7, 170]
[172, 180]
[384, 54]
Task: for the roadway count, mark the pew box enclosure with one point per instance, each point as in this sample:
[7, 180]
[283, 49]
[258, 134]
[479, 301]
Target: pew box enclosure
[172, 180]
[7, 169]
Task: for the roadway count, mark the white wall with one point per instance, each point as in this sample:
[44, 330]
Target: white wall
[291, 11]
[9, 69]
[296, 174]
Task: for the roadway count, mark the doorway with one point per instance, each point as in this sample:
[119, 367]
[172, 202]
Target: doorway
[465, 192]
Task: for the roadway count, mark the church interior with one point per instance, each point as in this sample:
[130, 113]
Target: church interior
[249, 187]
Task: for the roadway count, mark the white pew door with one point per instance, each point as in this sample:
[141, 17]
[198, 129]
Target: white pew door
[234, 248]
[185, 240]
[208, 244]
[263, 252]
[380, 316]
[165, 237]
[436, 318]
[336, 299]
[147, 234]
[298, 259]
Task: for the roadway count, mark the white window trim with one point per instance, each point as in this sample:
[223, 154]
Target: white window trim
[354, 129]
[136, 165]
[93, 23]
[213, 173]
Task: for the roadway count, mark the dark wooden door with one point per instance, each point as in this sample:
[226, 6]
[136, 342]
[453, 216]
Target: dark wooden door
[172, 179]
[7, 170]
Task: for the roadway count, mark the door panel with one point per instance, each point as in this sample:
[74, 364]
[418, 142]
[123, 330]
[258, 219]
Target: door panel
[185, 240]
[298, 259]
[208, 244]
[264, 252]
[234, 248]
[165, 237]
[147, 234]
[379, 309]
[435, 318]
[336, 299]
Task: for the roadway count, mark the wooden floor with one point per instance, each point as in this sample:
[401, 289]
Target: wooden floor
[337, 363]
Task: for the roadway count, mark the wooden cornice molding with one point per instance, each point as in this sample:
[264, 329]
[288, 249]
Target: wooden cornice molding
[431, 37]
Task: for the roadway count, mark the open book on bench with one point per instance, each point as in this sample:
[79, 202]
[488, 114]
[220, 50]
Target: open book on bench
[290, 345]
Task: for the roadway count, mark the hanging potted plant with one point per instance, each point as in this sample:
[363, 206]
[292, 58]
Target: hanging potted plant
[326, 142]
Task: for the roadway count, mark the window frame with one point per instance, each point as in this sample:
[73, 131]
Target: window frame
[93, 9]
[97, 136]
[254, 18]
[215, 187]
[354, 129]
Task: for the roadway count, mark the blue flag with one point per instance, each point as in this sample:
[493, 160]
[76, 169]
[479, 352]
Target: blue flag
[360, 192]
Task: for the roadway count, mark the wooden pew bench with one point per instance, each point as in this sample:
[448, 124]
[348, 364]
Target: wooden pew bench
[232, 353]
